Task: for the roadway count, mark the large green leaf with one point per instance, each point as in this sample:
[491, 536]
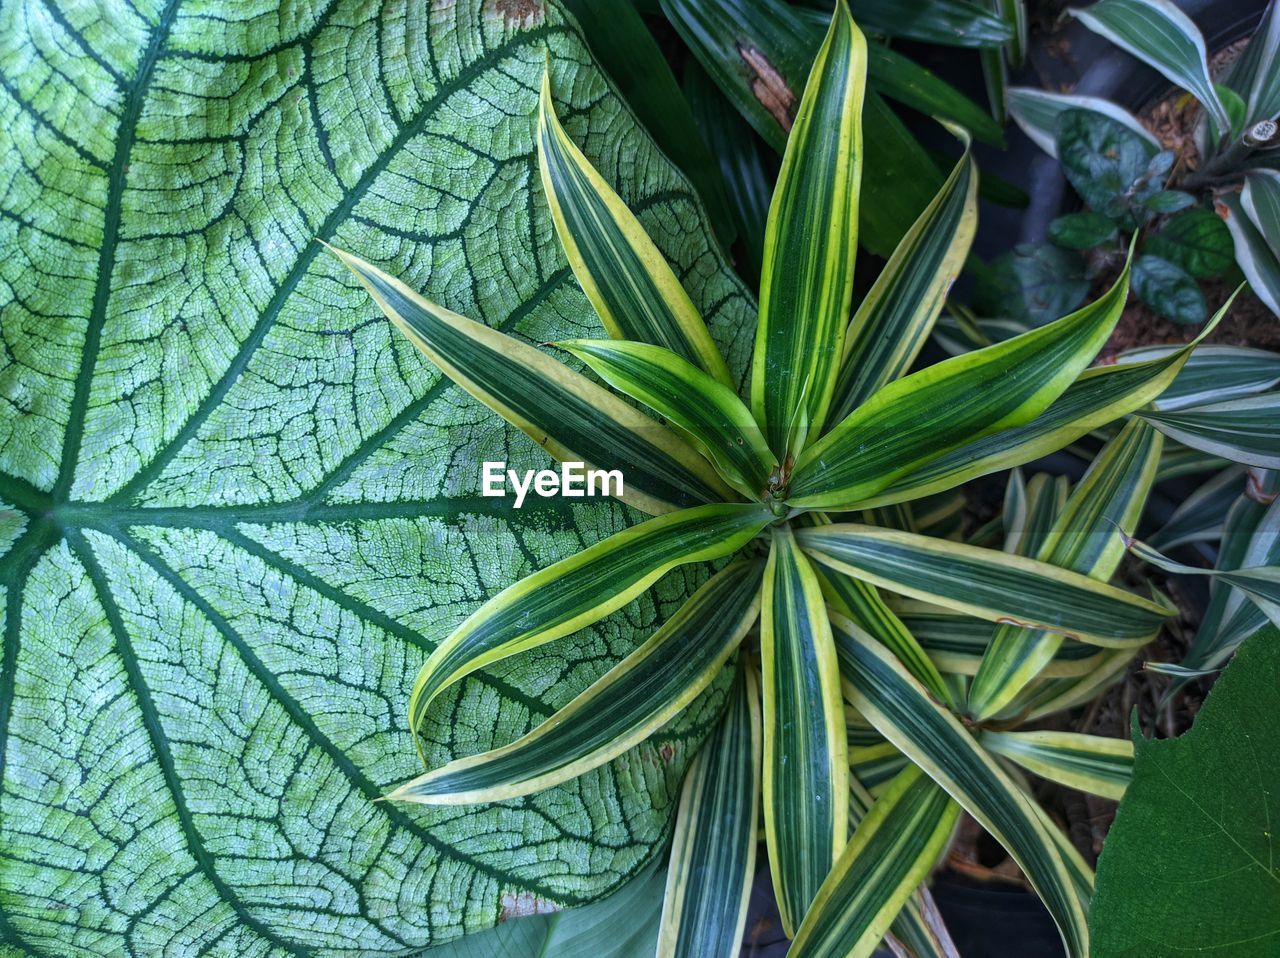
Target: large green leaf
[242, 508]
[1192, 863]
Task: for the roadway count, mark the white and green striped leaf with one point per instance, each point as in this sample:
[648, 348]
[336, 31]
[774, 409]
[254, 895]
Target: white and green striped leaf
[1028, 527]
[1160, 34]
[874, 766]
[895, 319]
[1257, 260]
[1085, 539]
[1101, 395]
[987, 584]
[1242, 430]
[582, 589]
[1255, 73]
[957, 644]
[806, 765]
[1213, 373]
[713, 851]
[568, 415]
[1259, 583]
[710, 413]
[619, 710]
[1202, 515]
[944, 749]
[892, 851]
[810, 242]
[1261, 200]
[1036, 111]
[632, 287]
[1055, 695]
[1091, 763]
[914, 420]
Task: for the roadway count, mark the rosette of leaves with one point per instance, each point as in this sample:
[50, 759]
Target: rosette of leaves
[1223, 207]
[798, 484]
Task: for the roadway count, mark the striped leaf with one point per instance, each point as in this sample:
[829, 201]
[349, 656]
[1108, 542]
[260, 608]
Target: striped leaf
[1255, 73]
[713, 851]
[568, 415]
[806, 765]
[1201, 516]
[1242, 430]
[1261, 200]
[633, 289]
[1160, 34]
[1259, 583]
[1091, 763]
[943, 748]
[1055, 695]
[1101, 395]
[1028, 530]
[1036, 111]
[874, 766]
[1084, 539]
[987, 584]
[710, 413]
[622, 708]
[810, 242]
[894, 320]
[914, 420]
[1213, 373]
[892, 851]
[957, 644]
[859, 601]
[582, 589]
[1257, 260]
[900, 78]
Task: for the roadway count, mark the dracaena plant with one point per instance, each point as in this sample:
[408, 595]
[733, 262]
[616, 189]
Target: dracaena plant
[1199, 211]
[782, 481]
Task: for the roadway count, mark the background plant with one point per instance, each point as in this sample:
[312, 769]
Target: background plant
[1199, 212]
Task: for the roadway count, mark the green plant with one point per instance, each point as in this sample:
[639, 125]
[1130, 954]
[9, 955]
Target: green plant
[1201, 212]
[219, 568]
[802, 495]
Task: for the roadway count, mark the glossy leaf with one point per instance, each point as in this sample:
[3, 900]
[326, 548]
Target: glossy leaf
[893, 849]
[713, 851]
[1083, 230]
[916, 419]
[810, 242]
[900, 79]
[565, 413]
[1090, 763]
[582, 589]
[634, 290]
[708, 412]
[936, 741]
[1103, 159]
[1242, 430]
[1195, 240]
[1037, 112]
[1160, 34]
[1255, 257]
[806, 766]
[622, 708]
[1212, 374]
[1169, 290]
[987, 584]
[893, 321]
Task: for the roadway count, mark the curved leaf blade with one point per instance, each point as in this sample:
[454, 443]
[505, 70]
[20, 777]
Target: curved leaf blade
[936, 741]
[619, 710]
[565, 413]
[1037, 111]
[987, 584]
[1086, 538]
[1090, 763]
[806, 766]
[710, 413]
[915, 420]
[634, 290]
[893, 322]
[1160, 34]
[806, 286]
[713, 851]
[582, 589]
[1242, 430]
[892, 851]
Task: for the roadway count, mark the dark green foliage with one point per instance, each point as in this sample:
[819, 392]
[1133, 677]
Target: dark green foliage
[1082, 230]
[1195, 240]
[1169, 290]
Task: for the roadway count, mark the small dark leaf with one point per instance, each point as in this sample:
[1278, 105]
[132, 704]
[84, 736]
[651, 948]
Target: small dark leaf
[1196, 240]
[1236, 109]
[1036, 284]
[1169, 201]
[1169, 290]
[1082, 230]
[1103, 159]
